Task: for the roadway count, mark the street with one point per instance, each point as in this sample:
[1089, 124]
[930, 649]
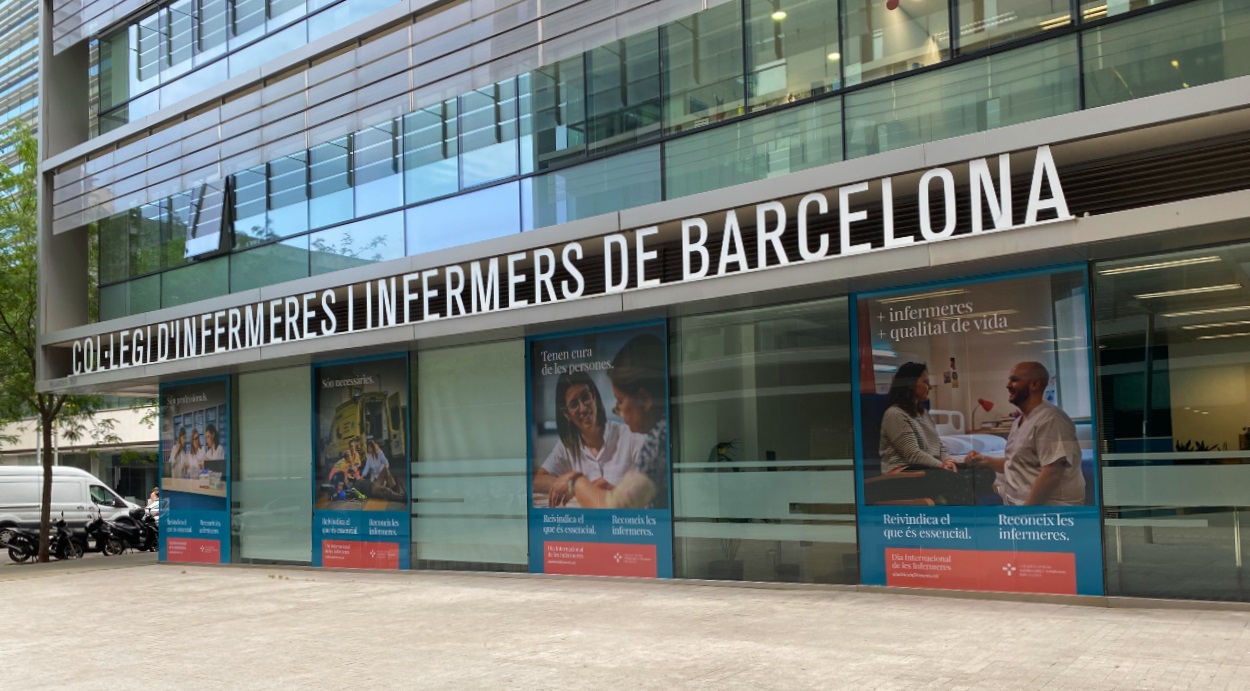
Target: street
[80, 625]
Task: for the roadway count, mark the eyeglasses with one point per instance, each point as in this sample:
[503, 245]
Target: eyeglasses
[583, 401]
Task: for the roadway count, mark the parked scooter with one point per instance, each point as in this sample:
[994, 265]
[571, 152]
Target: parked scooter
[100, 537]
[136, 530]
[61, 542]
[23, 546]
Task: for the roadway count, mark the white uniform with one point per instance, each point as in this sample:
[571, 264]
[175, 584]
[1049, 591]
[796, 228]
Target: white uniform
[618, 455]
[1037, 440]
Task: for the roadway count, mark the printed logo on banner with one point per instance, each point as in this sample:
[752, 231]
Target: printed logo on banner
[361, 518]
[599, 457]
[975, 444]
[195, 472]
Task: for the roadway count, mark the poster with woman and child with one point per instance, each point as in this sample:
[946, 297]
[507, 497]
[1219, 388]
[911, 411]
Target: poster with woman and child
[599, 452]
[360, 476]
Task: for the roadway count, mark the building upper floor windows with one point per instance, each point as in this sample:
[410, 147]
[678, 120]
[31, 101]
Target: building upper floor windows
[191, 45]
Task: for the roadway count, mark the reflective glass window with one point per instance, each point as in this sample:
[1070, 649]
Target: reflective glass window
[283, 11]
[329, 169]
[147, 33]
[288, 195]
[145, 238]
[1092, 10]
[372, 240]
[177, 22]
[247, 20]
[887, 38]
[431, 166]
[114, 248]
[480, 215]
[623, 92]
[1174, 381]
[114, 69]
[195, 282]
[761, 147]
[205, 233]
[983, 23]
[1188, 45]
[469, 483]
[763, 469]
[212, 27]
[341, 15]
[488, 134]
[376, 154]
[250, 222]
[703, 78]
[1004, 89]
[130, 297]
[590, 189]
[269, 264]
[793, 50]
[553, 115]
[271, 473]
[177, 228]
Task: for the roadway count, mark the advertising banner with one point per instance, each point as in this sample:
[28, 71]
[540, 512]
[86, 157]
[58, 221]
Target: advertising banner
[195, 472]
[599, 453]
[360, 475]
[975, 447]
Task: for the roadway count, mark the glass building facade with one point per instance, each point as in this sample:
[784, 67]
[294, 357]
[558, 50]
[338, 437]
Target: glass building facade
[604, 291]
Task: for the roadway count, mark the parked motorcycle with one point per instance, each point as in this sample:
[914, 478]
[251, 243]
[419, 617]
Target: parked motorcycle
[100, 537]
[136, 530]
[61, 542]
[23, 545]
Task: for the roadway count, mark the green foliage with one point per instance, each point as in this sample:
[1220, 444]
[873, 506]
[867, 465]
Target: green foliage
[72, 416]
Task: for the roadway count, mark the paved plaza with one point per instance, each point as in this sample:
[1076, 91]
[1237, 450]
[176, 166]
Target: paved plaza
[83, 626]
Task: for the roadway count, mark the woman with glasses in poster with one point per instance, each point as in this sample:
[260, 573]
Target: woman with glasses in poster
[591, 449]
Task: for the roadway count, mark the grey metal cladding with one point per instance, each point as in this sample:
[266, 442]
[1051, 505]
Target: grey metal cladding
[379, 77]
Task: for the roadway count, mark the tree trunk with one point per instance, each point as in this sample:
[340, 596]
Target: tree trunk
[46, 420]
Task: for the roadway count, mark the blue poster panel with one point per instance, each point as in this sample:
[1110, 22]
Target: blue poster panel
[975, 450]
[360, 474]
[195, 472]
[599, 453]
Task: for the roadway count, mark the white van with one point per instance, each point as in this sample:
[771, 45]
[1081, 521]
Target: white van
[75, 492]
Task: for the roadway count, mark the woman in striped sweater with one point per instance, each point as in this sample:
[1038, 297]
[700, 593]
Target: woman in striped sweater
[909, 438]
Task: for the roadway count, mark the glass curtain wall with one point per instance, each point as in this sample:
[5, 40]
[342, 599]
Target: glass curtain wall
[1182, 47]
[328, 207]
[469, 484]
[272, 472]
[763, 470]
[1174, 378]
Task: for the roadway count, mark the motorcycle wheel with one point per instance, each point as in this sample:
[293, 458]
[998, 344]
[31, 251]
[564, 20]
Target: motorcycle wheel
[71, 550]
[18, 555]
[113, 547]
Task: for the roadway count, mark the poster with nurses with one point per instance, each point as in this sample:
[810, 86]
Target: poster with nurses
[975, 448]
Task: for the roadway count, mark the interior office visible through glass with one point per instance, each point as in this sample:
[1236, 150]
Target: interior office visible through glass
[763, 470]
[1174, 379]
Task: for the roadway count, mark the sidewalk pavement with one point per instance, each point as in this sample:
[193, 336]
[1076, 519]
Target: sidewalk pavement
[273, 628]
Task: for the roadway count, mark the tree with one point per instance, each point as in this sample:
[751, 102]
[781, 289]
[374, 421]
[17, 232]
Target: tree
[71, 416]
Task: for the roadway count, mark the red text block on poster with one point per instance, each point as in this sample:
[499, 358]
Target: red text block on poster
[1052, 573]
[352, 554]
[192, 550]
[599, 559]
